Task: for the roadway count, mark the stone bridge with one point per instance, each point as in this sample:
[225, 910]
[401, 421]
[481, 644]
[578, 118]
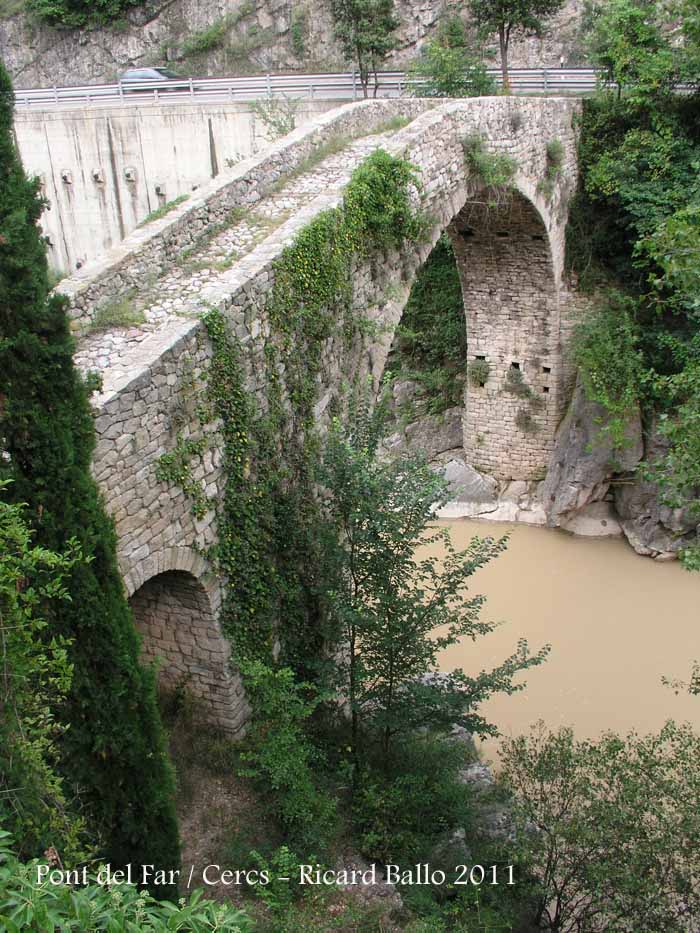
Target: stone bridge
[137, 316]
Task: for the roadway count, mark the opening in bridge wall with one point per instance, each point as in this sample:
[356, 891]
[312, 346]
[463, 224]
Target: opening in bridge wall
[179, 631]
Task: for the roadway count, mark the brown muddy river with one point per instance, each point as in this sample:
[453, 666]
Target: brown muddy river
[616, 622]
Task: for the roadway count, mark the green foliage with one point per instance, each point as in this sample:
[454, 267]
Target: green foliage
[29, 907]
[35, 676]
[495, 170]
[617, 839]
[278, 114]
[635, 225]
[74, 13]
[175, 468]
[165, 209]
[430, 345]
[282, 868]
[298, 31]
[395, 610]
[280, 755]
[478, 371]
[449, 71]
[555, 160]
[212, 37]
[509, 18]
[113, 754]
[404, 811]
[365, 30]
[610, 366]
[627, 41]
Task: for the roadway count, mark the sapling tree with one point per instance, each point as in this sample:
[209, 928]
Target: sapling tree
[365, 30]
[396, 603]
[509, 18]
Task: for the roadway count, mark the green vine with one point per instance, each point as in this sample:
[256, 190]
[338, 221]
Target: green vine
[175, 468]
[270, 550]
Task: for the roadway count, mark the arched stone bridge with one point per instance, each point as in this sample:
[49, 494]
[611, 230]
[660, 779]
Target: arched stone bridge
[217, 249]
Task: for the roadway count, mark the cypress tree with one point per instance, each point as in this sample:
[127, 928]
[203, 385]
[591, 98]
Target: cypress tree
[113, 754]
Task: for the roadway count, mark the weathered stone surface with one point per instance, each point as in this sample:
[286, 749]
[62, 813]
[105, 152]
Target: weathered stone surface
[652, 528]
[156, 33]
[583, 461]
[468, 485]
[595, 520]
[434, 434]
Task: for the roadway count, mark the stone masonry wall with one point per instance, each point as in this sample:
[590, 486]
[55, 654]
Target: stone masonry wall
[178, 625]
[512, 312]
[151, 251]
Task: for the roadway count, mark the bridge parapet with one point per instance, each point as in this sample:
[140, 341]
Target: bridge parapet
[150, 251]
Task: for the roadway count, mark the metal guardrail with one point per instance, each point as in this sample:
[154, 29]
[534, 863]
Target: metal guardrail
[341, 86]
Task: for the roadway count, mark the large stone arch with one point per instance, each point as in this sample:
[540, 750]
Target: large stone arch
[175, 603]
[509, 250]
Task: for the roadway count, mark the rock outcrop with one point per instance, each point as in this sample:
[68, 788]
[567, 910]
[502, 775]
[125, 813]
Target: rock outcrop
[584, 461]
[258, 36]
[651, 527]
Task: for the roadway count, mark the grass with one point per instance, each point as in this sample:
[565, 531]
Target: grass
[162, 211]
[388, 126]
[122, 313]
[10, 8]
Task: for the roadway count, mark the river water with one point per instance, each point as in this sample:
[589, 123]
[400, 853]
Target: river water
[616, 622]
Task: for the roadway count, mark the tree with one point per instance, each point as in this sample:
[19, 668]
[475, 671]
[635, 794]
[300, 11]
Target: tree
[35, 676]
[627, 41]
[512, 17]
[610, 829]
[113, 753]
[396, 611]
[449, 71]
[364, 29]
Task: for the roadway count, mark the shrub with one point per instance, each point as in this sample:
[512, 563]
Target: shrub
[493, 169]
[478, 371]
[75, 13]
[27, 905]
[407, 806]
[617, 838]
[606, 351]
[280, 755]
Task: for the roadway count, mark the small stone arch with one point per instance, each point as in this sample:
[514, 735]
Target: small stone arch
[175, 603]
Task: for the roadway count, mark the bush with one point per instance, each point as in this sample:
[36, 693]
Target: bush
[449, 71]
[404, 809]
[282, 758]
[494, 170]
[75, 13]
[610, 828]
[610, 367]
[26, 905]
[478, 372]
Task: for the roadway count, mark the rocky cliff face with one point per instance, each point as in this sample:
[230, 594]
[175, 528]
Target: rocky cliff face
[248, 36]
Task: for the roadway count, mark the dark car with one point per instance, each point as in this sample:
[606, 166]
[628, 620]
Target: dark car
[146, 79]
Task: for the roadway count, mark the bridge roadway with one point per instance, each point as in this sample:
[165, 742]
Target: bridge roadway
[187, 289]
